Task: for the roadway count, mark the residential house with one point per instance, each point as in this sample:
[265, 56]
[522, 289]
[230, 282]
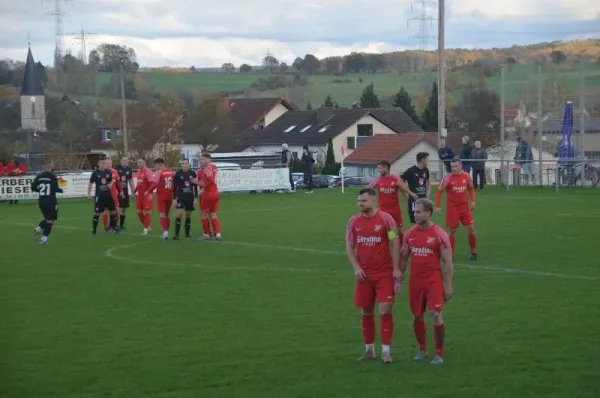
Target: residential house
[348, 128]
[398, 149]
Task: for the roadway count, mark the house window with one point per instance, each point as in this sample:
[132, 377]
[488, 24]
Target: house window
[289, 129]
[364, 130]
[351, 144]
[322, 129]
[306, 128]
[361, 140]
[107, 135]
[592, 154]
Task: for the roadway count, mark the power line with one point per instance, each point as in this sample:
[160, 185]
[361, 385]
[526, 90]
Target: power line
[83, 37]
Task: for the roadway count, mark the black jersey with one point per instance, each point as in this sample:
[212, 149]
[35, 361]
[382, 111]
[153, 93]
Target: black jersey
[125, 174]
[102, 179]
[46, 185]
[185, 189]
[417, 179]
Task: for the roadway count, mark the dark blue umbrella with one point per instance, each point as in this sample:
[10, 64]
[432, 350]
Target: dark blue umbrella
[566, 148]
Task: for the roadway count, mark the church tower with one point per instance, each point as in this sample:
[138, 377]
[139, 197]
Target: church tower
[33, 106]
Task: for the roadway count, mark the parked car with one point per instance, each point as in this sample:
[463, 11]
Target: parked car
[319, 181]
[355, 181]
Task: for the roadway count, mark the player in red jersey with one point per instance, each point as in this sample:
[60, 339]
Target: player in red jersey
[116, 190]
[389, 186]
[143, 204]
[459, 187]
[163, 184]
[425, 245]
[209, 197]
[373, 249]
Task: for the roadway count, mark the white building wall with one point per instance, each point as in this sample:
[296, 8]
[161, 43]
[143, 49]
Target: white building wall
[342, 139]
[275, 113]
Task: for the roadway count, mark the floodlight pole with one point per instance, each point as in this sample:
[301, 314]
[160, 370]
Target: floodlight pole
[441, 78]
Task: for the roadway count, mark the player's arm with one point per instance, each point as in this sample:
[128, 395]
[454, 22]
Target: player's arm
[155, 182]
[448, 267]
[404, 255]
[471, 189]
[89, 190]
[351, 251]
[35, 184]
[373, 183]
[439, 192]
[195, 185]
[119, 184]
[428, 193]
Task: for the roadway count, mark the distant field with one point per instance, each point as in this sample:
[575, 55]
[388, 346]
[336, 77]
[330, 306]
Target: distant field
[386, 84]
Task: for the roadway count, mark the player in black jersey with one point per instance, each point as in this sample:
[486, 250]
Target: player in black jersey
[417, 179]
[126, 176]
[47, 186]
[103, 199]
[185, 195]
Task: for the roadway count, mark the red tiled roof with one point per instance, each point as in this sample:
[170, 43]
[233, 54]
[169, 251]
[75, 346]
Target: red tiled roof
[388, 147]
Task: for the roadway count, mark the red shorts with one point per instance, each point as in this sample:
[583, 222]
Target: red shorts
[209, 203]
[142, 203]
[368, 292]
[426, 295]
[396, 214]
[454, 215]
[163, 205]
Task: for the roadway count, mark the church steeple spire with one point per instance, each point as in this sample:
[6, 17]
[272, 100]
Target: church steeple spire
[33, 102]
[32, 84]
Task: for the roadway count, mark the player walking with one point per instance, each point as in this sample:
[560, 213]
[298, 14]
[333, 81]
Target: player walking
[116, 191]
[186, 192]
[425, 244]
[388, 186]
[143, 204]
[46, 185]
[417, 179]
[457, 184]
[209, 198]
[163, 184]
[103, 200]
[375, 265]
[126, 177]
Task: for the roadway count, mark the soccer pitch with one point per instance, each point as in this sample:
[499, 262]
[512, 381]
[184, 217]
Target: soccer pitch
[269, 311]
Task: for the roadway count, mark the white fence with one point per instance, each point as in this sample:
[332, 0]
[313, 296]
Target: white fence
[75, 185]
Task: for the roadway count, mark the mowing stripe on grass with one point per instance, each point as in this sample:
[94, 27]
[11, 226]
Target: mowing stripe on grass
[490, 268]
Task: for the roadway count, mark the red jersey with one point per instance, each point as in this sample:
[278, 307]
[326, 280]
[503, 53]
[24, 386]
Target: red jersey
[388, 188]
[144, 180]
[163, 181]
[116, 187]
[424, 247]
[371, 239]
[208, 176]
[457, 186]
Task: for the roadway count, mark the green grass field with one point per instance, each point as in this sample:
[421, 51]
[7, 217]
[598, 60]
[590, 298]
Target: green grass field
[268, 312]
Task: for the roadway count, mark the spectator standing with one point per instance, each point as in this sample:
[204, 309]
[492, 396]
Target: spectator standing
[446, 154]
[286, 161]
[465, 154]
[524, 158]
[307, 168]
[1, 169]
[479, 156]
[15, 169]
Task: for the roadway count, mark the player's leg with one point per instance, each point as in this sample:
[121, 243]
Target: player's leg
[112, 210]
[105, 220]
[139, 208]
[115, 214]
[51, 215]
[178, 215]
[435, 305]
[364, 298]
[214, 219]
[189, 208]
[205, 208]
[161, 207]
[98, 209]
[123, 206]
[452, 220]
[385, 302]
[417, 302]
[40, 227]
[466, 219]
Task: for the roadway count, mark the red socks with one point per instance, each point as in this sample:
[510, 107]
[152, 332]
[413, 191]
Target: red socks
[420, 330]
[142, 218]
[205, 225]
[216, 225]
[387, 329]
[368, 328]
[473, 243]
[439, 334]
[164, 223]
[105, 220]
[452, 242]
[147, 220]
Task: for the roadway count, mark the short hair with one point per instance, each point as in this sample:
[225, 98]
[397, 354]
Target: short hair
[159, 161]
[385, 164]
[185, 160]
[421, 156]
[427, 205]
[455, 160]
[368, 191]
[206, 155]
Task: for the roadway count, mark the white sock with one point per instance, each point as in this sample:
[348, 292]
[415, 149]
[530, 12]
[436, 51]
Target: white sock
[370, 347]
[385, 349]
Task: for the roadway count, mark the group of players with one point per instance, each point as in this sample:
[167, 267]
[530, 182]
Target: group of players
[380, 253]
[112, 196]
[377, 249]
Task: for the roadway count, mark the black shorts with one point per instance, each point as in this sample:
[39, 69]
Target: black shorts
[49, 211]
[102, 203]
[124, 202]
[185, 204]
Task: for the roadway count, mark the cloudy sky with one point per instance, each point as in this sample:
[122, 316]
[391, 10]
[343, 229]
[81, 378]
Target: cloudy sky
[209, 33]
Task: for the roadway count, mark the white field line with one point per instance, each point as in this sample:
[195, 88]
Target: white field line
[590, 215]
[472, 266]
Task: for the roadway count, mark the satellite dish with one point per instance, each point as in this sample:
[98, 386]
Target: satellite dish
[32, 99]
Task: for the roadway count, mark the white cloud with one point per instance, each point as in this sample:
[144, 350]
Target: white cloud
[204, 32]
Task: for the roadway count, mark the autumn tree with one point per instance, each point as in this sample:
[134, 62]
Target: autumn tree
[228, 68]
[208, 123]
[478, 110]
[270, 63]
